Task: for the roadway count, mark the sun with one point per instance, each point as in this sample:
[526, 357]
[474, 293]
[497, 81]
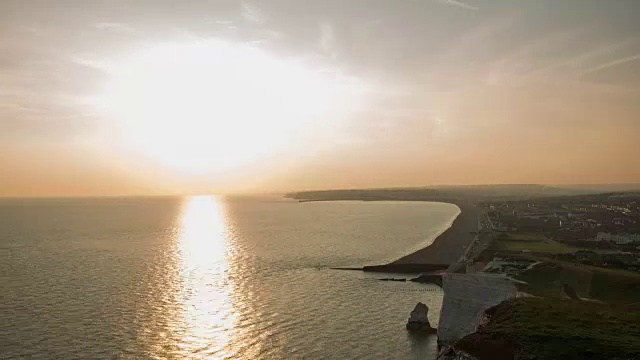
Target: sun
[210, 106]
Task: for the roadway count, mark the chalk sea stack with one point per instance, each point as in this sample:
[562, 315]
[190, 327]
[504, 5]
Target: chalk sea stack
[418, 321]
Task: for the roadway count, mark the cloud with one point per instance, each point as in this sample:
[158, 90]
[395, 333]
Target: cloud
[115, 27]
[327, 39]
[32, 118]
[582, 58]
[459, 4]
[252, 13]
[613, 63]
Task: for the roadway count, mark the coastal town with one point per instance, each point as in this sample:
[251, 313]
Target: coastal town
[596, 230]
[566, 258]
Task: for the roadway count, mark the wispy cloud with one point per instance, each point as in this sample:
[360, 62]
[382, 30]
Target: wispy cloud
[459, 4]
[327, 38]
[252, 14]
[582, 58]
[90, 63]
[114, 26]
[610, 64]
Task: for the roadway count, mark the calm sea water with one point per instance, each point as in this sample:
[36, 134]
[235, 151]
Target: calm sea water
[203, 277]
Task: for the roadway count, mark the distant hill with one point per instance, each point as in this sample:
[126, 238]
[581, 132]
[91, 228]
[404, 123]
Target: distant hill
[464, 192]
[601, 188]
[509, 190]
[444, 193]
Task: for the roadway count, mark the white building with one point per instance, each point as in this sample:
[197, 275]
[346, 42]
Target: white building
[620, 239]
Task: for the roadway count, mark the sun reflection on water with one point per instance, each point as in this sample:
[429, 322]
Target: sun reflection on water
[207, 312]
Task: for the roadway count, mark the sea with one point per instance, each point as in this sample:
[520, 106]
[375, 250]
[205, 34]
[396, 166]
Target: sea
[207, 277]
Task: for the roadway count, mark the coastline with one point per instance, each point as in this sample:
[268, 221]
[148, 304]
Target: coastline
[446, 249]
[428, 242]
[451, 244]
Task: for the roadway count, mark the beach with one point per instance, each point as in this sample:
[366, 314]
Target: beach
[445, 250]
[449, 246]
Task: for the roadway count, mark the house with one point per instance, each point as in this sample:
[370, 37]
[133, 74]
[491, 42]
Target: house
[622, 221]
[619, 239]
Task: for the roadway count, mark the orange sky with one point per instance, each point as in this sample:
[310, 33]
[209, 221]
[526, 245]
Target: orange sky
[283, 95]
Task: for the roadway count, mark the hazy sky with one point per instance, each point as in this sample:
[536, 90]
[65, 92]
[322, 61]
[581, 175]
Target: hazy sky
[439, 92]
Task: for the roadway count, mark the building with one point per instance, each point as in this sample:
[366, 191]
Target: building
[622, 221]
[619, 239]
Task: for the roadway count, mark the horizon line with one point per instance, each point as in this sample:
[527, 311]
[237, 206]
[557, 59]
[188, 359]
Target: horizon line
[280, 193]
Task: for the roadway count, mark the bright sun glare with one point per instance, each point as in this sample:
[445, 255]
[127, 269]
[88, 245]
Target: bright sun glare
[209, 106]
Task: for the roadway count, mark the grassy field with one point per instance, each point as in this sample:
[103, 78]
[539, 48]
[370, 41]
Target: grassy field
[528, 242]
[615, 286]
[548, 278]
[524, 236]
[607, 285]
[537, 328]
[531, 246]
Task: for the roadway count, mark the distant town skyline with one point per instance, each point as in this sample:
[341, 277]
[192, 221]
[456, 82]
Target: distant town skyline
[155, 97]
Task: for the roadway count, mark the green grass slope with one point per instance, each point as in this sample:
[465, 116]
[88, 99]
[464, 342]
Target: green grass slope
[538, 328]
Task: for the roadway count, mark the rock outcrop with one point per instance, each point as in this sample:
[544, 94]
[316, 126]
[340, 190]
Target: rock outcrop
[393, 279]
[419, 321]
[429, 279]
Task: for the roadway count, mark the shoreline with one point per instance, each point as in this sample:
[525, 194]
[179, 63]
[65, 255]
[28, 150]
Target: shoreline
[446, 249]
[451, 244]
[425, 244]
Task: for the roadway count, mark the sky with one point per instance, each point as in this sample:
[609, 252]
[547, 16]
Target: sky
[163, 97]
